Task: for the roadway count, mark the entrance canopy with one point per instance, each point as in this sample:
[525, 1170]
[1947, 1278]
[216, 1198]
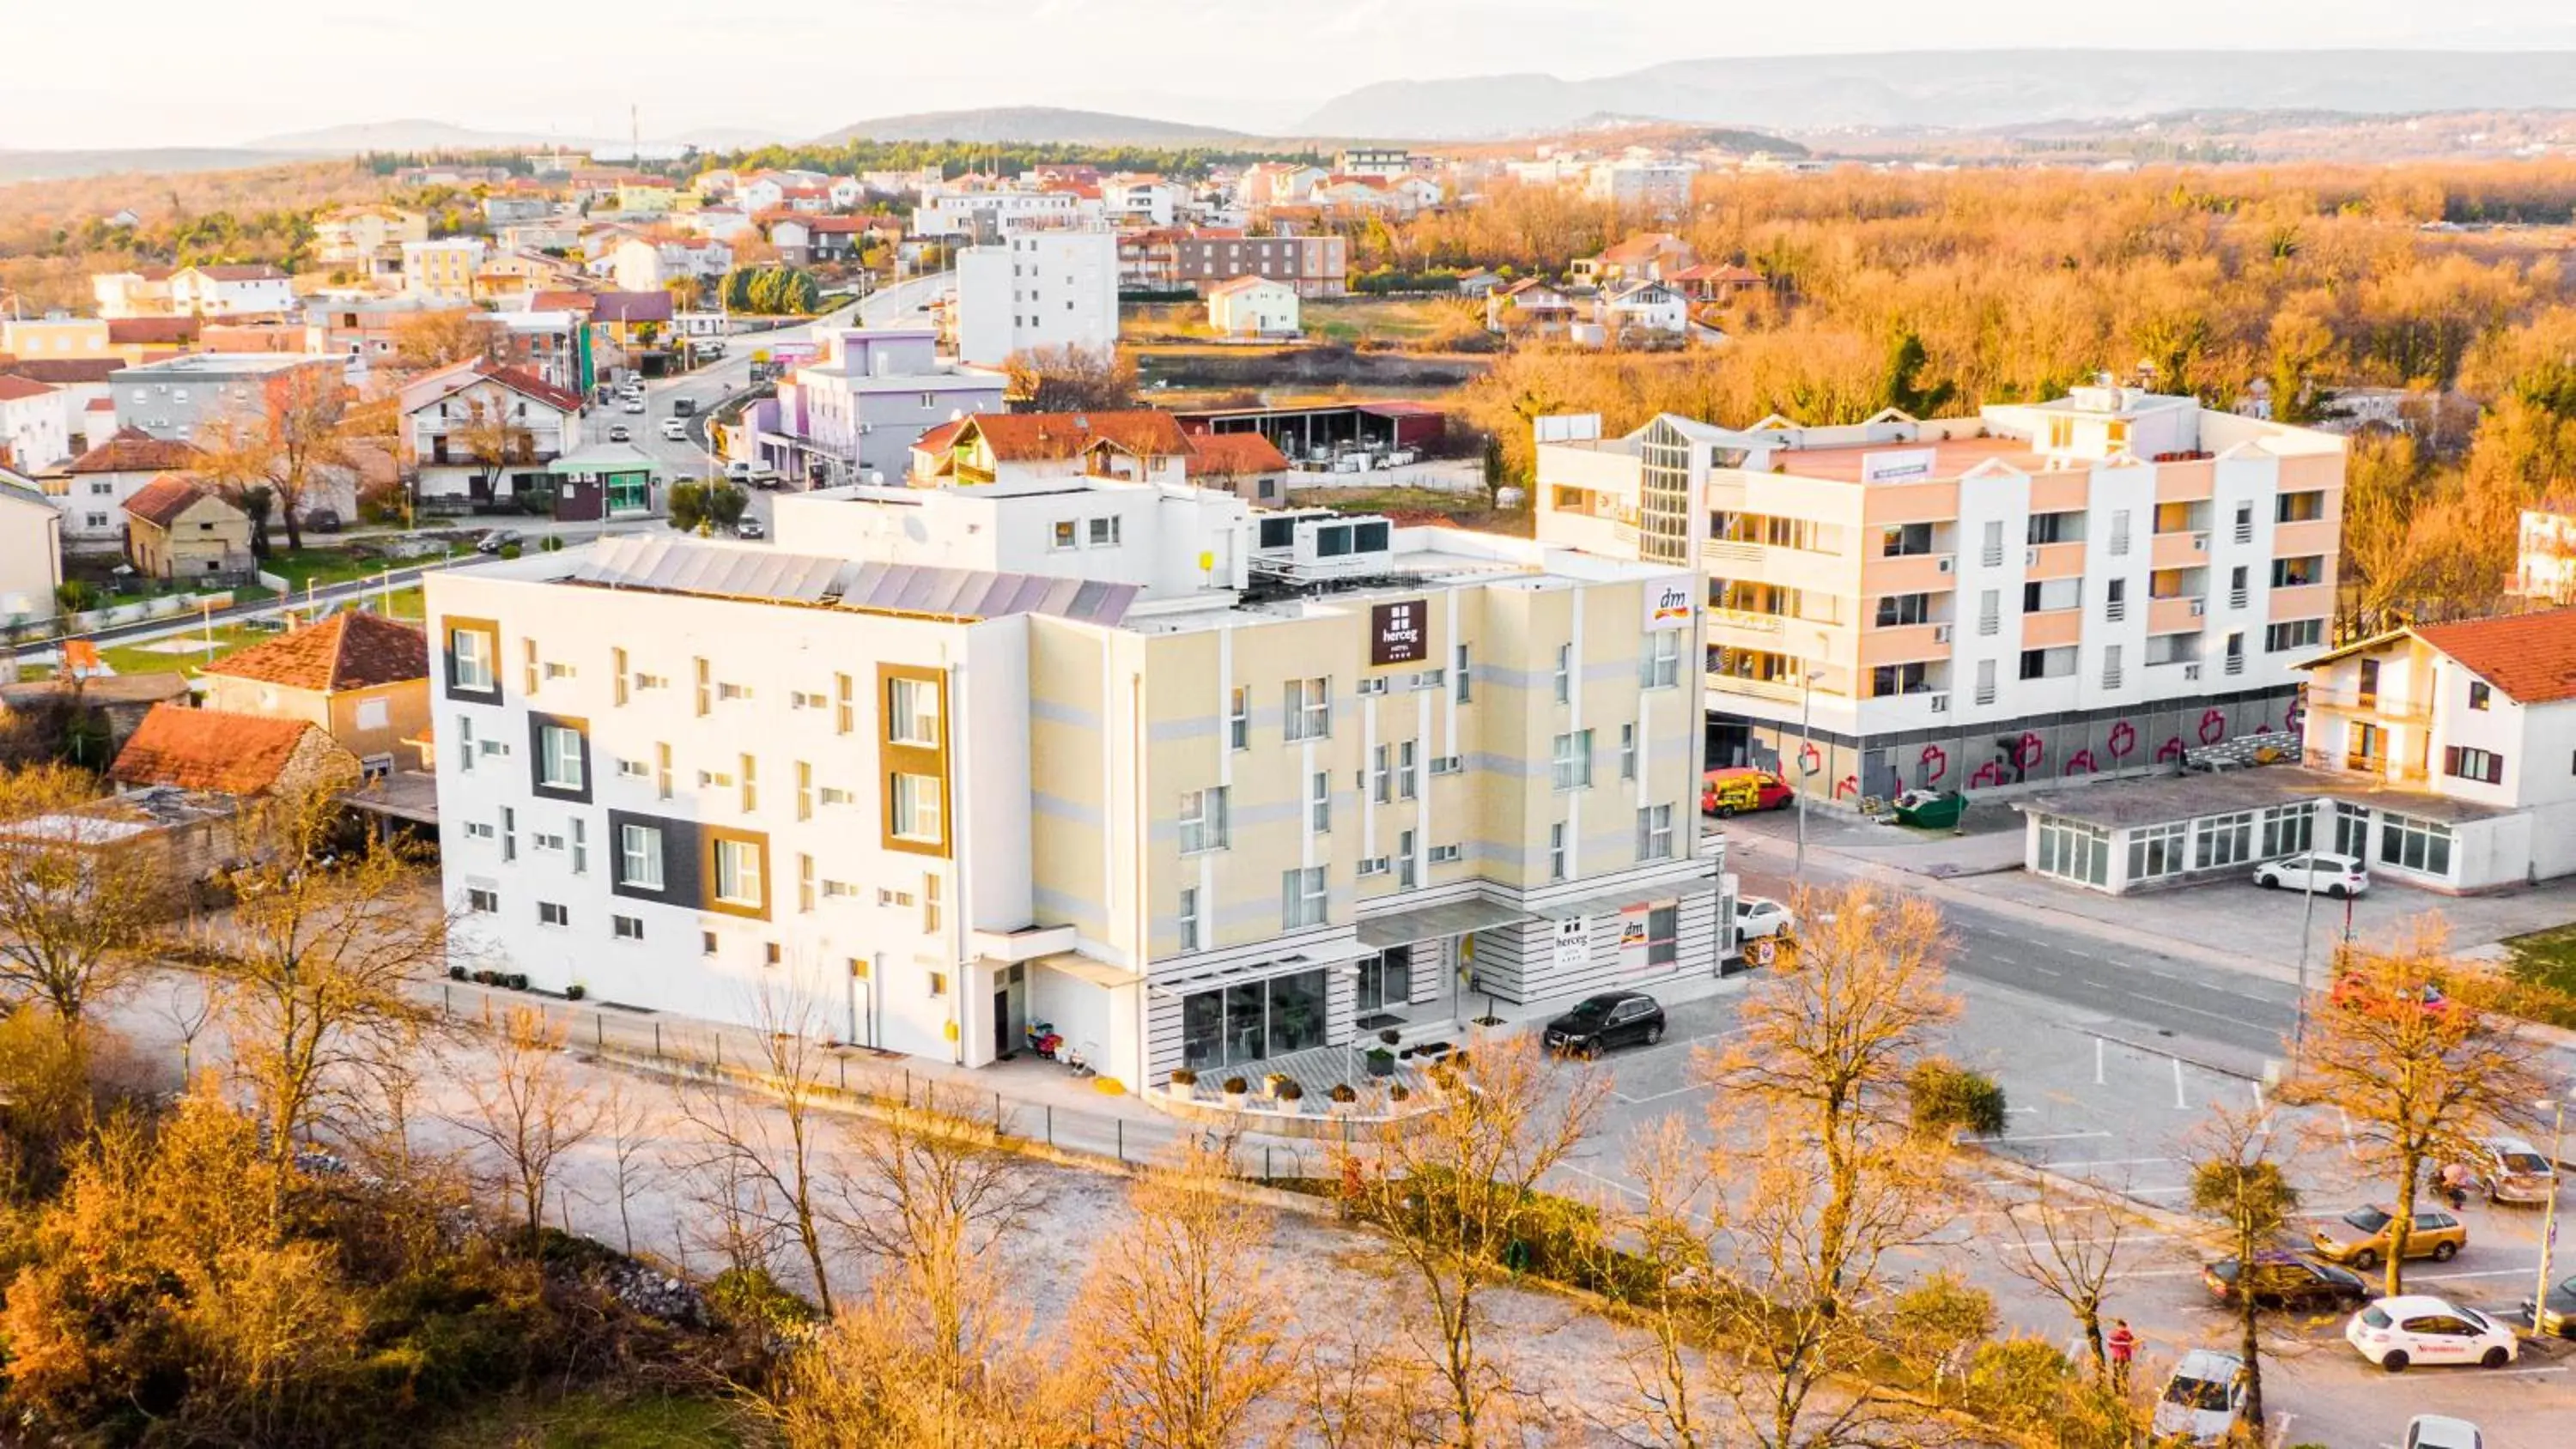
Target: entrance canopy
[1432, 923]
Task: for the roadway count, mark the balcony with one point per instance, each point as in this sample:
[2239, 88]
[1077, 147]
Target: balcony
[2182, 550]
[1745, 619]
[1904, 644]
[2376, 706]
[2177, 615]
[1915, 573]
[2051, 628]
[2057, 560]
[1786, 691]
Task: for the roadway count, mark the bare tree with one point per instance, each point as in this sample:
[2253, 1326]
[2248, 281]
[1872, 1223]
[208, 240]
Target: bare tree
[302, 432]
[313, 966]
[2070, 1253]
[429, 340]
[1454, 1188]
[529, 1111]
[2240, 1189]
[633, 1129]
[1175, 1320]
[1669, 1225]
[77, 903]
[774, 1144]
[2412, 1050]
[1072, 379]
[1363, 1393]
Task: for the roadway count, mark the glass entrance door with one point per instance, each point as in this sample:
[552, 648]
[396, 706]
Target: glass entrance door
[1386, 981]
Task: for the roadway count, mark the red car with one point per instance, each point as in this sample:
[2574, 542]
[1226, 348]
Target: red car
[2356, 993]
[1736, 790]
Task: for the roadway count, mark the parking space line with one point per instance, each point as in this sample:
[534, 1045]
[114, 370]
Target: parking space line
[2507, 1373]
[1612, 1183]
[2485, 1273]
[2178, 1006]
[2044, 1137]
[1658, 1096]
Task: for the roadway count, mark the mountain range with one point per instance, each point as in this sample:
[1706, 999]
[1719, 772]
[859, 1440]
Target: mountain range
[1958, 89]
[1031, 123]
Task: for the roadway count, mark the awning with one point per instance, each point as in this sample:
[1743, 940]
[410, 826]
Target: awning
[1329, 955]
[1088, 971]
[1633, 896]
[1432, 923]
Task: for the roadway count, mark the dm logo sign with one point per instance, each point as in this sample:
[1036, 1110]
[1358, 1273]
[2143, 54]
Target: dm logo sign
[1668, 606]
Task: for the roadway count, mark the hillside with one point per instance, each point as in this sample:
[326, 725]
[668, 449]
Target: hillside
[408, 135]
[1048, 124]
[1967, 88]
[68, 165]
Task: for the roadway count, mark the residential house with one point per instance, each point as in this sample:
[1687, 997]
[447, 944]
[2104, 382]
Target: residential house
[179, 397]
[1642, 310]
[1139, 200]
[804, 241]
[1019, 450]
[1253, 307]
[1387, 162]
[175, 529]
[442, 271]
[631, 330]
[2545, 553]
[31, 550]
[92, 490]
[35, 431]
[852, 413]
[1647, 256]
[509, 278]
[361, 677]
[1714, 281]
[1037, 290]
[56, 335]
[1529, 307]
[645, 198]
[137, 292]
[479, 433]
[367, 241]
[151, 339]
[1247, 465]
[231, 291]
[247, 756]
[508, 211]
[1267, 184]
[642, 264]
[554, 346]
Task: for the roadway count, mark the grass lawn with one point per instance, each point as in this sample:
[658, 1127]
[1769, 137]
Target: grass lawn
[322, 567]
[599, 1421]
[2545, 961]
[1396, 319]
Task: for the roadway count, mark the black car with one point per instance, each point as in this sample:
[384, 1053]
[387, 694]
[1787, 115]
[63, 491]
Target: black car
[2558, 1315]
[1613, 1018]
[497, 540]
[2286, 1280]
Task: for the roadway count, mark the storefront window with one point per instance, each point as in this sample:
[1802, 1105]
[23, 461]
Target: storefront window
[1252, 1020]
[2223, 840]
[1386, 979]
[2286, 829]
[630, 492]
[2156, 851]
[2352, 831]
[2072, 850]
[2411, 844]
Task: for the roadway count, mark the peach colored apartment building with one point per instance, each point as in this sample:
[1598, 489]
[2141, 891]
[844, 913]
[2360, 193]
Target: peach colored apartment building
[2086, 586]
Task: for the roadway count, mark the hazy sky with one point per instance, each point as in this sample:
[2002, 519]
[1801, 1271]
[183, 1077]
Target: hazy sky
[219, 72]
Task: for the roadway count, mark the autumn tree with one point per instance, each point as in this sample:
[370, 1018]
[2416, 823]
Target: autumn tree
[2412, 1049]
[77, 904]
[1071, 379]
[529, 1112]
[1455, 1187]
[2237, 1186]
[2070, 1253]
[426, 341]
[306, 429]
[1180, 1339]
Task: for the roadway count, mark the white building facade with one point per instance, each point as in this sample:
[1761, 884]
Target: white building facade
[1037, 289]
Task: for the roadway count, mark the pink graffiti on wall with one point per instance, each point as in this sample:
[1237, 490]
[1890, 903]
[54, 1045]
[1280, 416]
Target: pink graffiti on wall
[2124, 738]
[1847, 785]
[2027, 751]
[2213, 725]
[1935, 763]
[2081, 764]
[1988, 774]
[2169, 750]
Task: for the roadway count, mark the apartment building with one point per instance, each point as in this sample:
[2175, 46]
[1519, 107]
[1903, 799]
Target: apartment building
[366, 242]
[2087, 586]
[853, 413]
[442, 271]
[1196, 787]
[177, 397]
[1037, 289]
[987, 217]
[1312, 266]
[2545, 552]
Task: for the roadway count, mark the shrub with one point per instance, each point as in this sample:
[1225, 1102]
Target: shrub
[1390, 1036]
[1399, 1092]
[1343, 1092]
[78, 596]
[1184, 1077]
[1236, 1086]
[551, 543]
[516, 981]
[576, 992]
[1946, 1097]
[510, 550]
[750, 1299]
[455, 973]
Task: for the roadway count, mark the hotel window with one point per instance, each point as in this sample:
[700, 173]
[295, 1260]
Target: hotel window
[750, 784]
[1627, 752]
[1238, 718]
[1203, 820]
[912, 712]
[2484, 766]
[916, 807]
[2287, 829]
[843, 718]
[1309, 712]
[639, 856]
[528, 657]
[1408, 769]
[705, 694]
[929, 904]
[560, 767]
[1104, 531]
[1896, 611]
[1065, 535]
[1463, 678]
[1571, 761]
[804, 790]
[1189, 918]
[617, 673]
[1564, 673]
[1655, 833]
[580, 846]
[1556, 862]
[1319, 802]
[662, 770]
[465, 744]
[509, 834]
[1301, 898]
[738, 880]
[804, 881]
[481, 901]
[1660, 667]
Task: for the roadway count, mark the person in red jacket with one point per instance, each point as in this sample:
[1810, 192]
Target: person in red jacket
[2124, 1347]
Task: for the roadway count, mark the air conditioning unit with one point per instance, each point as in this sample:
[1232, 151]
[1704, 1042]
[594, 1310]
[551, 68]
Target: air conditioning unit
[2030, 558]
[1949, 563]
[2199, 607]
[1940, 704]
[2200, 543]
[1940, 633]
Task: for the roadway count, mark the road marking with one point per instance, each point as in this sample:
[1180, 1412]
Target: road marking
[2507, 1373]
[2046, 970]
[2097, 1061]
[2109, 1162]
[2178, 1006]
[1658, 1096]
[2347, 1131]
[2087, 955]
[1611, 1183]
[2484, 1273]
[2180, 1105]
[2044, 1137]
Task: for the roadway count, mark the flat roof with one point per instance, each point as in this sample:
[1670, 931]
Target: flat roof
[205, 362]
[1841, 463]
[2165, 799]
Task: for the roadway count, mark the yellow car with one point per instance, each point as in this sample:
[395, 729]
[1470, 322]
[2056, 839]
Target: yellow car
[2360, 1237]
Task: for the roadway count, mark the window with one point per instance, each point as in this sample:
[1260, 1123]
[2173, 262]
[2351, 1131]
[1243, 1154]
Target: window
[479, 830]
[557, 670]
[930, 904]
[374, 714]
[1203, 820]
[1663, 936]
[2115, 600]
[707, 942]
[1319, 802]
[2043, 596]
[1238, 718]
[580, 846]
[1660, 667]
[1898, 610]
[915, 800]
[1572, 761]
[482, 901]
[936, 983]
[1986, 680]
[545, 840]
[2220, 840]
[2479, 694]
[1892, 679]
[750, 784]
[1066, 534]
[2293, 573]
[559, 767]
[2287, 829]
[1992, 553]
[2119, 533]
[738, 867]
[528, 661]
[2046, 528]
[2156, 851]
[2110, 666]
[617, 673]
[1104, 533]
[912, 712]
[509, 833]
[847, 708]
[1301, 898]
[644, 679]
[2072, 850]
[733, 691]
[469, 652]
[1905, 540]
[1466, 691]
[1655, 833]
[2411, 844]
[2484, 766]
[465, 750]
[1564, 673]
[550, 913]
[2299, 507]
[804, 790]
[626, 928]
[2295, 634]
[639, 856]
[1407, 861]
[1556, 862]
[1373, 684]
[1446, 854]
[1408, 771]
[1189, 918]
[1309, 712]
[662, 770]
[705, 695]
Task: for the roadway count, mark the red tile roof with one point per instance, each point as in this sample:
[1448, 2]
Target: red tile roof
[1641, 246]
[346, 651]
[132, 450]
[2531, 657]
[204, 749]
[1228, 455]
[14, 388]
[553, 300]
[64, 371]
[161, 501]
[1035, 437]
[261, 272]
[148, 330]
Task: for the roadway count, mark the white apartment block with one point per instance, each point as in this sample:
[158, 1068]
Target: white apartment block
[1037, 289]
[2088, 586]
[853, 413]
[936, 775]
[2545, 553]
[990, 215]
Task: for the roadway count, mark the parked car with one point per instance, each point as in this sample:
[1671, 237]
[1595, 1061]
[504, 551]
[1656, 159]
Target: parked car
[737, 472]
[2336, 875]
[634, 402]
[617, 433]
[1613, 1018]
[322, 520]
[2512, 1170]
[2359, 1239]
[2358, 993]
[675, 430]
[2286, 1280]
[2438, 1431]
[2418, 1328]
[750, 528]
[2558, 1313]
[2204, 1401]
[497, 540]
[1759, 916]
[1729, 792]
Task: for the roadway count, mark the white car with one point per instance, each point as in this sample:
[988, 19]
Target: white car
[2437, 1431]
[2204, 1401]
[2397, 1332]
[2512, 1170]
[634, 403]
[1759, 916]
[675, 430]
[2336, 875]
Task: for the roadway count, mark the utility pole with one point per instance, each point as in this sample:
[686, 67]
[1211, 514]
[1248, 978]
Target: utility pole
[1806, 717]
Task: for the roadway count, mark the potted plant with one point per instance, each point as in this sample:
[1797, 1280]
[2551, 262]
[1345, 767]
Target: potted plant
[1343, 1095]
[1184, 1084]
[1236, 1089]
[1381, 1062]
[576, 992]
[1397, 1094]
[455, 973]
[1390, 1036]
[1271, 1084]
[1288, 1094]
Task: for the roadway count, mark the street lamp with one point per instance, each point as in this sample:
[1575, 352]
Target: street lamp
[2549, 1219]
[2307, 921]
